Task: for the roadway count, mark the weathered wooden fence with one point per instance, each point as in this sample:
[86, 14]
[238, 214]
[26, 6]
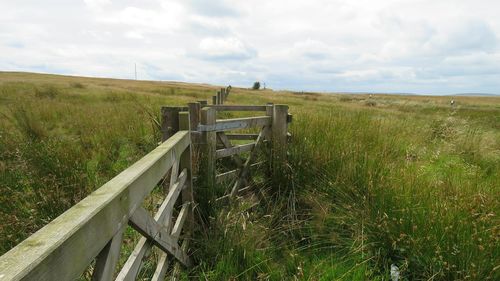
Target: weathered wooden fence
[91, 232]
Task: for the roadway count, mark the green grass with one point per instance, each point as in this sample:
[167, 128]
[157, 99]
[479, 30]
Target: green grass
[370, 182]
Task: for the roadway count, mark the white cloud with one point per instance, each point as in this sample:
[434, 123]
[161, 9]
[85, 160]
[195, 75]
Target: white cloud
[225, 48]
[97, 4]
[422, 46]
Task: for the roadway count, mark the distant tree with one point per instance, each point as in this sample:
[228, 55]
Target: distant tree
[256, 85]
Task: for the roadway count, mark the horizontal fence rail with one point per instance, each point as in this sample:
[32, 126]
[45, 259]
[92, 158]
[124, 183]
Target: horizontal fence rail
[236, 123]
[242, 136]
[237, 107]
[221, 153]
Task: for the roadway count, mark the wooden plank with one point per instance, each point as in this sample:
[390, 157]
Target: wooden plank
[236, 158]
[238, 107]
[173, 194]
[238, 149]
[133, 264]
[174, 171]
[246, 168]
[161, 268]
[222, 177]
[50, 253]
[177, 269]
[108, 258]
[242, 136]
[236, 123]
[225, 141]
[179, 222]
[149, 228]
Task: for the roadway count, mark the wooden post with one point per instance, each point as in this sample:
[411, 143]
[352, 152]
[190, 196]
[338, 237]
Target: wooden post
[194, 119]
[186, 163]
[203, 103]
[223, 93]
[209, 139]
[184, 118]
[214, 100]
[269, 112]
[219, 101]
[169, 121]
[269, 146]
[279, 138]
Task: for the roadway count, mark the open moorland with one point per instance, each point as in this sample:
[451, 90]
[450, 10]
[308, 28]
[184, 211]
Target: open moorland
[372, 181]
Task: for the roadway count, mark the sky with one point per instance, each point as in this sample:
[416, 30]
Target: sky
[405, 46]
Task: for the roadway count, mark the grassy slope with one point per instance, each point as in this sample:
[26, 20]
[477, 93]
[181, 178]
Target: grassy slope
[372, 181]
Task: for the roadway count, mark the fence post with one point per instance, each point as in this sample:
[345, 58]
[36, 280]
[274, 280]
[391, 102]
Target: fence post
[169, 121]
[219, 98]
[279, 138]
[269, 138]
[223, 94]
[269, 112]
[186, 162]
[194, 119]
[209, 140]
[214, 100]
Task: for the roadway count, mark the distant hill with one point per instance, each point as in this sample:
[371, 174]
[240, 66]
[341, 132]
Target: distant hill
[477, 95]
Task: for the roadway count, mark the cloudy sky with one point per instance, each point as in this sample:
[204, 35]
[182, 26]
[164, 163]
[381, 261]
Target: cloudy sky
[419, 46]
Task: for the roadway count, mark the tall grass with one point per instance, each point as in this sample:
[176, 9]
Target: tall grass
[403, 196]
[370, 183]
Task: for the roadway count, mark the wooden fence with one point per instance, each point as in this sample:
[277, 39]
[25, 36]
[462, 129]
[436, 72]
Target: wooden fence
[91, 232]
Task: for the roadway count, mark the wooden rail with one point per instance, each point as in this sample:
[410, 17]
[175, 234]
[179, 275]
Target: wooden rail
[236, 123]
[93, 229]
[221, 153]
[238, 107]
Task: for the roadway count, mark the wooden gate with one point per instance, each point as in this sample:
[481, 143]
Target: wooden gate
[238, 176]
[214, 140]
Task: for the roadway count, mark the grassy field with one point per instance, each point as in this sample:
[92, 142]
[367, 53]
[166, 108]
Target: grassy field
[372, 181]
